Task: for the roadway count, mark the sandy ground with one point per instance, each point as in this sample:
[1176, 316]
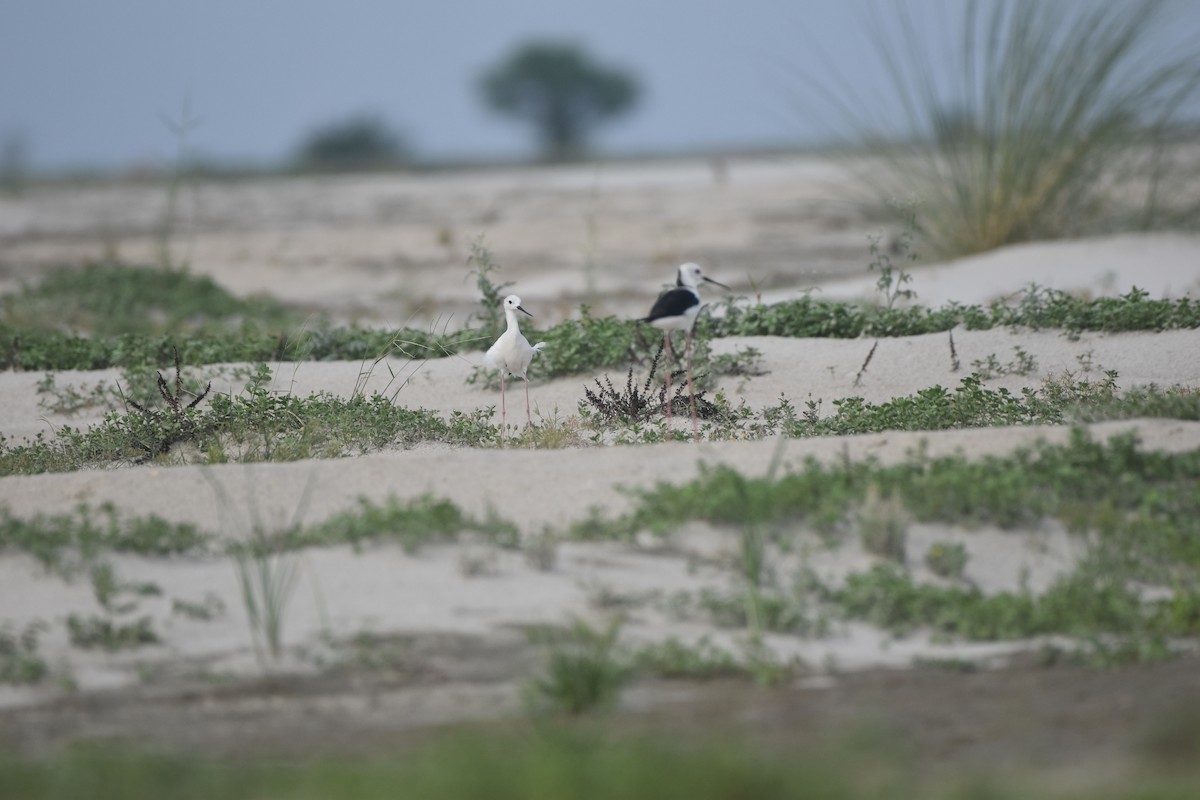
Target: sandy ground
[390, 250]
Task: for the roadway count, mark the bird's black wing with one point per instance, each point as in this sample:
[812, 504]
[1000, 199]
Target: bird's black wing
[673, 303]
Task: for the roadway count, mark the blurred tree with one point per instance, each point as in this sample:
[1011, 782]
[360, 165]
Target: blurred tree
[359, 142]
[559, 89]
[14, 157]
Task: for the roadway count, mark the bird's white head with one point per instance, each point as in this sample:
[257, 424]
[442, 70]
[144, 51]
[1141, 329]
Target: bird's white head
[690, 276]
[513, 303]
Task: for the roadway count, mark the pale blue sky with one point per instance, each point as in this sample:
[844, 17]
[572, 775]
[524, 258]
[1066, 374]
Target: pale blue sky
[84, 81]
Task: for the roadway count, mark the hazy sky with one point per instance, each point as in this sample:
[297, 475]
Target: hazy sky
[85, 81]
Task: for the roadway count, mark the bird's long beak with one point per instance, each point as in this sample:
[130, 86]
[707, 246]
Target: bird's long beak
[718, 283]
[522, 308]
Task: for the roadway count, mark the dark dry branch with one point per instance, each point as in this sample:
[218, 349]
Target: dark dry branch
[954, 365]
[177, 426]
[638, 403]
[867, 360]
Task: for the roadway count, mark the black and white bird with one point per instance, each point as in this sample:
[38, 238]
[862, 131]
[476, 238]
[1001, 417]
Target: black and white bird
[676, 310]
[511, 354]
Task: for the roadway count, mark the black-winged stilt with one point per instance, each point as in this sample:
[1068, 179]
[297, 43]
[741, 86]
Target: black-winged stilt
[676, 310]
[511, 354]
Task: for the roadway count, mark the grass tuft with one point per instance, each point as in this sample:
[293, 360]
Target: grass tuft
[1053, 120]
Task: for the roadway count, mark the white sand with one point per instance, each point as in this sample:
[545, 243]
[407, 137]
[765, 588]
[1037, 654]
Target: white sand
[350, 256]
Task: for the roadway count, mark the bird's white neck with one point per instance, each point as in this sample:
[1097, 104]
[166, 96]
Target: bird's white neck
[511, 315]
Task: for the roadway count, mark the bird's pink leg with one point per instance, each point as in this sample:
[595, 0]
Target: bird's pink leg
[691, 394]
[528, 416]
[667, 334]
[503, 410]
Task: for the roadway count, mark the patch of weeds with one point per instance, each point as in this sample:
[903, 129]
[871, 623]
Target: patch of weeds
[726, 497]
[597, 526]
[892, 278]
[257, 425]
[756, 609]
[67, 541]
[105, 633]
[541, 550]
[210, 608]
[763, 665]
[883, 523]
[30, 349]
[552, 433]
[970, 405]
[700, 661]
[551, 762]
[1023, 488]
[962, 665]
[69, 399]
[1171, 402]
[1138, 507]
[585, 670]
[743, 362]
[20, 662]
[1022, 364]
[413, 524]
[113, 299]
[947, 559]
[1035, 307]
[1085, 604]
[105, 587]
[1107, 652]
[109, 632]
[474, 563]
[603, 597]
[491, 294]
[377, 654]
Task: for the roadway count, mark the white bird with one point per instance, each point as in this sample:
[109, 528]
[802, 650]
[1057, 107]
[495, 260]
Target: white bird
[676, 310]
[512, 354]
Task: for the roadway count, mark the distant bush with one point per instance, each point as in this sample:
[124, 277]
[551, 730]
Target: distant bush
[361, 142]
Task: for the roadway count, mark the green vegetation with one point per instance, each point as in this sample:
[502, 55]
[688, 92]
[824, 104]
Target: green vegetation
[568, 762]
[138, 318]
[1035, 308]
[257, 425]
[1081, 605]
[19, 659]
[66, 542]
[585, 669]
[674, 659]
[362, 142]
[114, 300]
[413, 524]
[32, 349]
[947, 559]
[106, 633]
[267, 573]
[970, 405]
[883, 525]
[1058, 106]
[990, 367]
[1073, 482]
[1139, 509]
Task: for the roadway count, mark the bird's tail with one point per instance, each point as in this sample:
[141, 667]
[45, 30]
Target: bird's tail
[537, 348]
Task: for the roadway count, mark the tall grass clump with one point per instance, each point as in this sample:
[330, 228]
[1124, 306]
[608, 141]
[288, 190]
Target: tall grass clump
[1047, 120]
